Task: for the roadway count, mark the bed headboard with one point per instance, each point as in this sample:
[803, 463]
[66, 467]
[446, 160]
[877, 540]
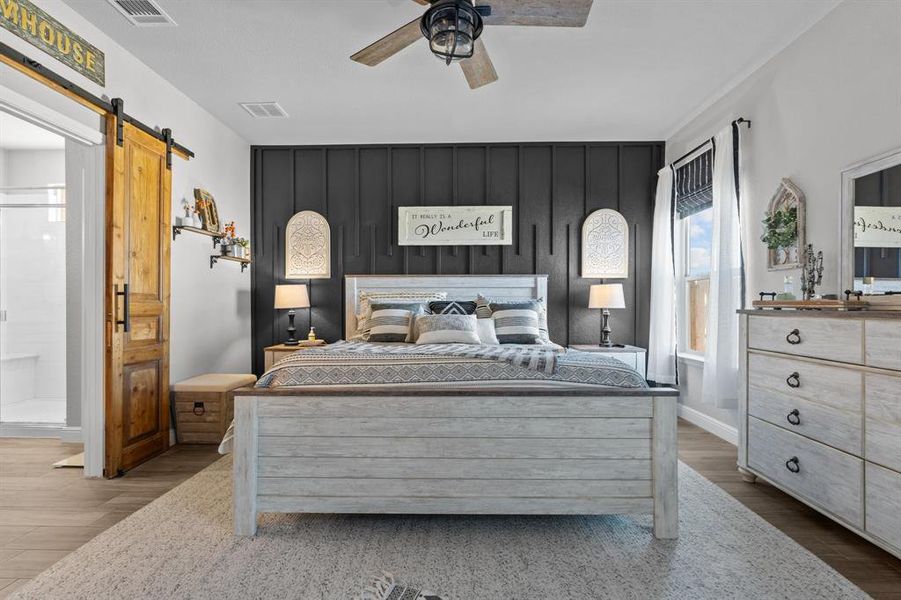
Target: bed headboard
[458, 287]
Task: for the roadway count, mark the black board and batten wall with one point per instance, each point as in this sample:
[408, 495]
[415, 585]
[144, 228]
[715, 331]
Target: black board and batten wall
[551, 186]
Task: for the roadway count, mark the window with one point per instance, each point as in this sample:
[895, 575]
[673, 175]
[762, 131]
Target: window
[699, 244]
[694, 245]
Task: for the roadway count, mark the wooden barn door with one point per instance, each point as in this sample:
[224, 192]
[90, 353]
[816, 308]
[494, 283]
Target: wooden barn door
[137, 298]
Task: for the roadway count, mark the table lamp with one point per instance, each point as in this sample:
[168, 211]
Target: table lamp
[291, 297]
[606, 296]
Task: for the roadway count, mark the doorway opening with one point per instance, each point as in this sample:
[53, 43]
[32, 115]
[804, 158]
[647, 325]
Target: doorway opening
[33, 276]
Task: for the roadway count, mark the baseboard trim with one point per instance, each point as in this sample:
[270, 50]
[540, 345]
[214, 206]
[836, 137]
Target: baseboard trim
[709, 424]
[41, 430]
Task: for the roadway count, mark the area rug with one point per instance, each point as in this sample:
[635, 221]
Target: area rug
[181, 546]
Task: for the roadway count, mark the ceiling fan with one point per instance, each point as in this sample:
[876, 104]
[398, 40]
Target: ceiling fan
[453, 29]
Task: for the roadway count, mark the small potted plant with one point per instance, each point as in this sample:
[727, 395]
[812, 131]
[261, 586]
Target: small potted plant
[227, 243]
[240, 247]
[197, 221]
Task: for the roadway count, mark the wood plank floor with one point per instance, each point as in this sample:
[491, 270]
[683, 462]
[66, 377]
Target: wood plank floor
[47, 513]
[872, 569]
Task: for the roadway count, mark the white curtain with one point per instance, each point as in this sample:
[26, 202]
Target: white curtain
[662, 343]
[720, 386]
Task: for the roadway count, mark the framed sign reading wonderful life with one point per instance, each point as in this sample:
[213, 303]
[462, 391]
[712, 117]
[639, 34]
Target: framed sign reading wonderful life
[454, 225]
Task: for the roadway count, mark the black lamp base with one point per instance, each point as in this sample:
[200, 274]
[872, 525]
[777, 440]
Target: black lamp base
[292, 341]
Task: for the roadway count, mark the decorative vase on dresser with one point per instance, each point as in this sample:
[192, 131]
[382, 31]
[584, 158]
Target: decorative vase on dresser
[820, 413]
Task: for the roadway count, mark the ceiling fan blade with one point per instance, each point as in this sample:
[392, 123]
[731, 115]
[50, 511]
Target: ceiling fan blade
[544, 13]
[389, 45]
[423, 2]
[479, 70]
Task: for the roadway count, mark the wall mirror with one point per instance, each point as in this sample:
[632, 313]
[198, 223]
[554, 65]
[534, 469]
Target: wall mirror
[871, 225]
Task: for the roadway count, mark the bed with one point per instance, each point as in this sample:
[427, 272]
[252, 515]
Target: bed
[512, 436]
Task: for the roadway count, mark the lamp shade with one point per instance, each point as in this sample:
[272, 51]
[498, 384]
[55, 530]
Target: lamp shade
[291, 296]
[606, 295]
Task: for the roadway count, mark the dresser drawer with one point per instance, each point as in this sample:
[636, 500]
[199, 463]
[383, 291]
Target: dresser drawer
[830, 339]
[883, 420]
[884, 343]
[825, 476]
[884, 504]
[826, 404]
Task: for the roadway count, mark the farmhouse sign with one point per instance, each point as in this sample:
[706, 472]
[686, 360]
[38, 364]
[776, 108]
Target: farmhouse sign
[877, 227]
[455, 225]
[38, 28]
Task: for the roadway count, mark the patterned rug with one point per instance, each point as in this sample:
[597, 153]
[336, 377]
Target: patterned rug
[181, 547]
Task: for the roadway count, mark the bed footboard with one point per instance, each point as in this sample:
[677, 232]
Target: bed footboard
[456, 454]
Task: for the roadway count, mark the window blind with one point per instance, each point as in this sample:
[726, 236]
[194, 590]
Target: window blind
[694, 185]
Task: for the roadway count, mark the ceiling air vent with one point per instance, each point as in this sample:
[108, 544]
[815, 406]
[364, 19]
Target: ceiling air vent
[143, 13]
[264, 110]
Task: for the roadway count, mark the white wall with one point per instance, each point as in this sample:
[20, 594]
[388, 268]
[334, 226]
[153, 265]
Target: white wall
[210, 318]
[830, 99]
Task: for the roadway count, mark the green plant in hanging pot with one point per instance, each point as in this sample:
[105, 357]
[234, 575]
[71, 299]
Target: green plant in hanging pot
[780, 228]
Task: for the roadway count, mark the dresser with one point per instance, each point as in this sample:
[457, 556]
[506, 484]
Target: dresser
[820, 413]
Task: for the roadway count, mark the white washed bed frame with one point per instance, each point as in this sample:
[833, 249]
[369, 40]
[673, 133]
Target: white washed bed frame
[455, 451]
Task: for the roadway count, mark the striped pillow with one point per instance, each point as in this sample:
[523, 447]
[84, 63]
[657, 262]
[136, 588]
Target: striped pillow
[389, 324]
[415, 308]
[516, 323]
[395, 296]
[483, 311]
[453, 307]
[447, 329]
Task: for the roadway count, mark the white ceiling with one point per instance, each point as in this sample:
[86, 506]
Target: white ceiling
[16, 134]
[636, 71]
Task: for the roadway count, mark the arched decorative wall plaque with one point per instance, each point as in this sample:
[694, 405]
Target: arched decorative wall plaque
[308, 253]
[784, 227]
[605, 245]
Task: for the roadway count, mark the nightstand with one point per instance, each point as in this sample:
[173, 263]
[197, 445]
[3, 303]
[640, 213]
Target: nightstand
[273, 354]
[633, 356]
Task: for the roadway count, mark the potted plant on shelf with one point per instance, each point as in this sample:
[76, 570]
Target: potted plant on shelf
[228, 239]
[240, 248]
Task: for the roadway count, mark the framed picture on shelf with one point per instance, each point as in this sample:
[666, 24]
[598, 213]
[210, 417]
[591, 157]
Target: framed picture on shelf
[209, 215]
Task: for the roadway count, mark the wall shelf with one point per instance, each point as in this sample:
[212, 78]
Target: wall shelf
[214, 258]
[177, 229]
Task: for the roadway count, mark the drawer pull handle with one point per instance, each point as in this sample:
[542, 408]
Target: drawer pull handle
[794, 337]
[199, 409]
[794, 417]
[793, 464]
[794, 380]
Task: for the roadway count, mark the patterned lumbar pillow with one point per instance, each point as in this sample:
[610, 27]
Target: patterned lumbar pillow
[452, 307]
[516, 323]
[389, 324]
[447, 329]
[483, 311]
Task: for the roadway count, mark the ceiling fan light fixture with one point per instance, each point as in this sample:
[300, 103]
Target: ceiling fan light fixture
[452, 27]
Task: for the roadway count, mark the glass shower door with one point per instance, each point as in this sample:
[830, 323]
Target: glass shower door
[33, 305]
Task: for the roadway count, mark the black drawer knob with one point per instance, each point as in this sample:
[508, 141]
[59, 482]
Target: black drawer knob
[199, 409]
[794, 417]
[793, 464]
[794, 337]
[794, 380]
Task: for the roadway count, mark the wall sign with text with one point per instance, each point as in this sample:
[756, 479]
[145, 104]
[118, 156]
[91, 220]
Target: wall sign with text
[877, 227]
[39, 29]
[455, 225]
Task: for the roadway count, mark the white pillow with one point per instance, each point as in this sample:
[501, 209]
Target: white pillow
[446, 329]
[487, 334]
